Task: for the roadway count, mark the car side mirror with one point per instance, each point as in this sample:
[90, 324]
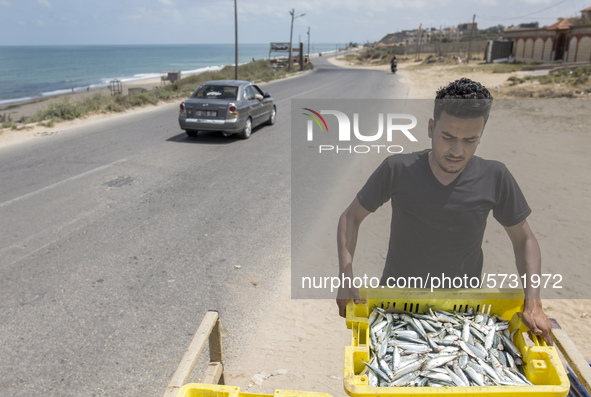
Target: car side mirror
[267, 95]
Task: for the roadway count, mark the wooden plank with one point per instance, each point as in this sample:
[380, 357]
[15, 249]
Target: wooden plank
[189, 360]
[575, 359]
[215, 344]
[214, 374]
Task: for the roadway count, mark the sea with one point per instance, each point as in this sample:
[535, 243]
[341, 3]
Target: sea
[28, 72]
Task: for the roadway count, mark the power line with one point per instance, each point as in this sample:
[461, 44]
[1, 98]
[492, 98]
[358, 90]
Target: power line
[242, 8]
[522, 16]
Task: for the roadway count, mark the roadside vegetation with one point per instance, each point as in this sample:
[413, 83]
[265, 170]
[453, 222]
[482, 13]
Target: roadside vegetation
[66, 109]
[576, 77]
[567, 81]
[376, 55]
[559, 83]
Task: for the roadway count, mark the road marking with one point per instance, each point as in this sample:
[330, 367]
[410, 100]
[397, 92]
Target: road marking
[25, 196]
[304, 93]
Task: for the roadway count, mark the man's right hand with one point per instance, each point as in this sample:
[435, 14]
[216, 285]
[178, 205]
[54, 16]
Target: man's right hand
[344, 296]
[346, 241]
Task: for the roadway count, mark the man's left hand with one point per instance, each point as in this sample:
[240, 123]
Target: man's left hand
[535, 319]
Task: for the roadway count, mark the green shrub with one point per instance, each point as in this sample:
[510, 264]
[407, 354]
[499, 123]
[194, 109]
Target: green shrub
[113, 106]
[143, 99]
[60, 109]
[505, 67]
[49, 123]
[516, 80]
[6, 121]
[94, 104]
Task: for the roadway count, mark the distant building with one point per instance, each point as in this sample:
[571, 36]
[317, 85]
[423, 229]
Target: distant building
[413, 37]
[532, 25]
[452, 34]
[563, 41]
[586, 13]
[468, 27]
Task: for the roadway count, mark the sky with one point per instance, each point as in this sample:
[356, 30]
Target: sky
[82, 22]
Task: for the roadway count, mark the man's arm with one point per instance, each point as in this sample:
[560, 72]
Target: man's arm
[528, 260]
[347, 232]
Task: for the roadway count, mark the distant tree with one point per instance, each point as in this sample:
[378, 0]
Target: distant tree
[581, 21]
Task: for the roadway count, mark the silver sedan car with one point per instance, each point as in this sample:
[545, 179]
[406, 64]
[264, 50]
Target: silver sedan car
[230, 106]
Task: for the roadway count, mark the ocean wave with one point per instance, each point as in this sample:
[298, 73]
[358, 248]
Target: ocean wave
[97, 66]
[105, 83]
[7, 101]
[149, 76]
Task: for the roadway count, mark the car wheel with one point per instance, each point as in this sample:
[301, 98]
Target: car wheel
[191, 133]
[245, 133]
[273, 117]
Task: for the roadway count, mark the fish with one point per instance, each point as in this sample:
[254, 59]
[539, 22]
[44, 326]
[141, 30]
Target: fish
[489, 370]
[475, 376]
[442, 348]
[373, 317]
[383, 348]
[396, 358]
[406, 332]
[411, 339]
[510, 347]
[457, 370]
[490, 337]
[378, 326]
[463, 361]
[438, 361]
[466, 331]
[377, 371]
[385, 368]
[404, 380]
[411, 347]
[373, 379]
[456, 379]
[502, 357]
[411, 367]
[436, 376]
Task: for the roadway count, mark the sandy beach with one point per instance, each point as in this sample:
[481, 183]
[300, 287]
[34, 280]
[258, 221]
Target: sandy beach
[26, 108]
[306, 338]
[18, 110]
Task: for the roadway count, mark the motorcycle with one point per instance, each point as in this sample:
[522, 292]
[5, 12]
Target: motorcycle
[394, 67]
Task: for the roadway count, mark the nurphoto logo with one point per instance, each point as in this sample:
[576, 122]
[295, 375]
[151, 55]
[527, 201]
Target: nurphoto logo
[395, 123]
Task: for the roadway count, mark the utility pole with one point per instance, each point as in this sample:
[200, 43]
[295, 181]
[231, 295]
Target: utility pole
[470, 43]
[308, 43]
[439, 45]
[290, 36]
[292, 13]
[419, 42]
[235, 41]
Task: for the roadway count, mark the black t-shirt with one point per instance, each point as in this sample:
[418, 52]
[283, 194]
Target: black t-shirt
[439, 229]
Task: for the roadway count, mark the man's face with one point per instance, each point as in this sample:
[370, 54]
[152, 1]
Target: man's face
[454, 141]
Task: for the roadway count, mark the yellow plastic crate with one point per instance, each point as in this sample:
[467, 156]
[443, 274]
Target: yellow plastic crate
[543, 367]
[206, 390]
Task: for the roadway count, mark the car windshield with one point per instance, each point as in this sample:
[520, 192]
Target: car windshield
[216, 92]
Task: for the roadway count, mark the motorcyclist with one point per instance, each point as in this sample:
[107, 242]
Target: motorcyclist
[394, 64]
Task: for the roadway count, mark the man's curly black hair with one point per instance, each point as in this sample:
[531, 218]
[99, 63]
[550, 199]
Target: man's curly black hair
[463, 98]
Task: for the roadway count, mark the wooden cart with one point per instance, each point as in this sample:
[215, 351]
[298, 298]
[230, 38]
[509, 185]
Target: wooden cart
[210, 330]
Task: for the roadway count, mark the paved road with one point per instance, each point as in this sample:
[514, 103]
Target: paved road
[116, 238]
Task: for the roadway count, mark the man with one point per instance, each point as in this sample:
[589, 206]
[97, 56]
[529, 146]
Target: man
[394, 64]
[440, 201]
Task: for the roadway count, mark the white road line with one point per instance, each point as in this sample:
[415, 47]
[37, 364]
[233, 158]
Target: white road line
[25, 196]
[304, 93]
